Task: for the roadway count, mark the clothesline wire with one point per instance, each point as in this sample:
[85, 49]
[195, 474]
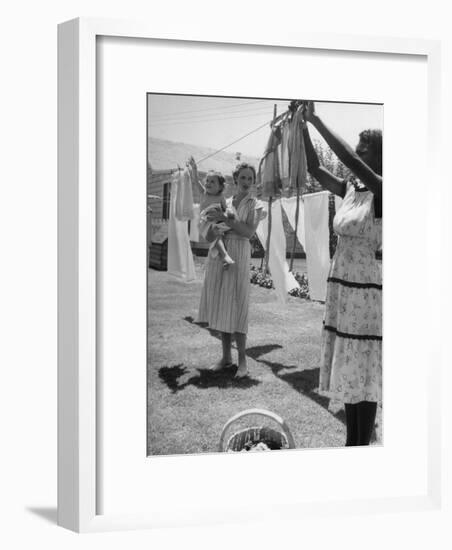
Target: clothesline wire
[208, 116]
[240, 138]
[215, 108]
[236, 141]
[226, 109]
[248, 115]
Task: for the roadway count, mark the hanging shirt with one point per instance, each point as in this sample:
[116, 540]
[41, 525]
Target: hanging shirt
[180, 256]
[283, 280]
[297, 154]
[268, 173]
[317, 242]
[284, 155]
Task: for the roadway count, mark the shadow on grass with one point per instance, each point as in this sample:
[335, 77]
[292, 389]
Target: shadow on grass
[305, 382]
[206, 378]
[212, 332]
[253, 352]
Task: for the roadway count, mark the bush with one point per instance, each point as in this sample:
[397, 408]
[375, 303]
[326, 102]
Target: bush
[258, 277]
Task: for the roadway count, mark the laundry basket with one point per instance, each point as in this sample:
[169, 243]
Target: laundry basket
[255, 429]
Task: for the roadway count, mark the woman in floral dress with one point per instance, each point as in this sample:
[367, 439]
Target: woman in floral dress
[351, 367]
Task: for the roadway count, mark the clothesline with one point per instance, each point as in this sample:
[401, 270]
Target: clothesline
[183, 113]
[271, 122]
[236, 141]
[225, 147]
[253, 112]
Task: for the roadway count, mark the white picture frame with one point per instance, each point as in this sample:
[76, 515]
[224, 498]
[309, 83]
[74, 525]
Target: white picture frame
[78, 407]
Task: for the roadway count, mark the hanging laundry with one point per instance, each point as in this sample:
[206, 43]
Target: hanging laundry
[184, 196]
[180, 256]
[297, 154]
[317, 242]
[194, 224]
[283, 280]
[284, 156]
[268, 173]
[290, 208]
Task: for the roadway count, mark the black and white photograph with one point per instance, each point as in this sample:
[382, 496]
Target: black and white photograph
[264, 220]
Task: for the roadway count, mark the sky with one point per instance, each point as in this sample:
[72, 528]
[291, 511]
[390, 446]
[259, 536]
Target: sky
[218, 121]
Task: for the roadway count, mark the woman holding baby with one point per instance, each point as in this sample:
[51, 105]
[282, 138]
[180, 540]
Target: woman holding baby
[226, 289]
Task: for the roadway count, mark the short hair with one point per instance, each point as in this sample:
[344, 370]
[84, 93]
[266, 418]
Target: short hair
[243, 166]
[221, 179]
[374, 139]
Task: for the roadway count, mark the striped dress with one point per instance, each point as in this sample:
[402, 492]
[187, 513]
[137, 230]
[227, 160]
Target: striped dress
[225, 294]
[351, 366]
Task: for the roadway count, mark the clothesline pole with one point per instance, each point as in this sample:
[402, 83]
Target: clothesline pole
[270, 202]
[297, 216]
[267, 248]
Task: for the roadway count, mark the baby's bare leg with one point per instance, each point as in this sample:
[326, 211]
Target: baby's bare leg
[227, 260]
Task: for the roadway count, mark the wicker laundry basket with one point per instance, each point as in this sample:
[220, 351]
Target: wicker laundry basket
[277, 436]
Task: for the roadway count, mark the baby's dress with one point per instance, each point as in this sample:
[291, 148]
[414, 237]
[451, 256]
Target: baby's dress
[351, 368]
[205, 224]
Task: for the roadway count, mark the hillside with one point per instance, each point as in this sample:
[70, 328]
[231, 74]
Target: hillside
[164, 154]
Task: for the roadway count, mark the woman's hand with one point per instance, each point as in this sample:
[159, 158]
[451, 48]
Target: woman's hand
[309, 111]
[216, 216]
[192, 163]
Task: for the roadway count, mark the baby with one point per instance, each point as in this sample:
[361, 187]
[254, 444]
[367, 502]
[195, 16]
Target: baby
[213, 200]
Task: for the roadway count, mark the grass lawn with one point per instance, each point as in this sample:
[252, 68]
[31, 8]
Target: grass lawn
[188, 404]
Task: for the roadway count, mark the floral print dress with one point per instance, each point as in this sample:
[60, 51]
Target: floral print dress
[351, 367]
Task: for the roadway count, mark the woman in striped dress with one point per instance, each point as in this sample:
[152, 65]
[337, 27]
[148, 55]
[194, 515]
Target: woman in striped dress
[225, 293]
[351, 368]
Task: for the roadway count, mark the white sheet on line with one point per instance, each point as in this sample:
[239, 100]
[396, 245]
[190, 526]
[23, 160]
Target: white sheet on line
[290, 208]
[182, 188]
[180, 256]
[283, 280]
[317, 243]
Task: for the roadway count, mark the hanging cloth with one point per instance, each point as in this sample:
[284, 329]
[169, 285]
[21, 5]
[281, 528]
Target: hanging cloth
[317, 242]
[184, 196]
[284, 156]
[180, 256]
[283, 280]
[290, 208]
[297, 154]
[268, 173]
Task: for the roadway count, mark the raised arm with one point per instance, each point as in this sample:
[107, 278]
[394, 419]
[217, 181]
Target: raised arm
[326, 179]
[194, 169]
[345, 153]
